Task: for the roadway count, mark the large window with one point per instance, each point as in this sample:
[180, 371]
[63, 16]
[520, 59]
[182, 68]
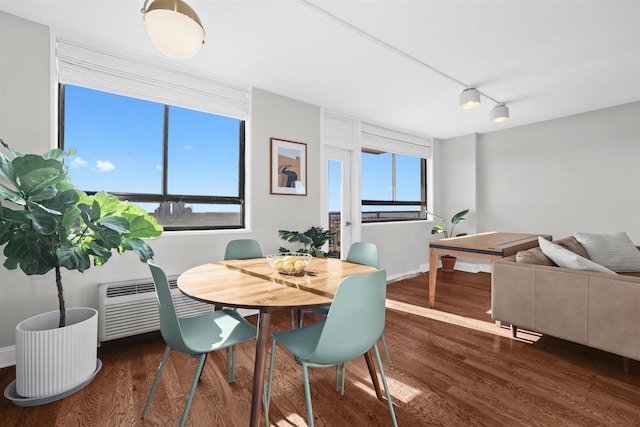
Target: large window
[185, 167]
[393, 186]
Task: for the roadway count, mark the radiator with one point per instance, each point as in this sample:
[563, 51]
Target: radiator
[131, 308]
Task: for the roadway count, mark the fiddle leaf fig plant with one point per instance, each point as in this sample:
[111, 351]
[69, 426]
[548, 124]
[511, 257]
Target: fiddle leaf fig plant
[456, 219]
[49, 223]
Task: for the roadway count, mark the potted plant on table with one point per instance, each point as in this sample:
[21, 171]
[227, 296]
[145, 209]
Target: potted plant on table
[46, 223]
[448, 261]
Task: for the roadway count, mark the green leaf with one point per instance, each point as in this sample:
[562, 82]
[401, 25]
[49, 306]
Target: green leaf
[12, 196]
[459, 217]
[73, 257]
[32, 173]
[43, 223]
[115, 223]
[143, 227]
[140, 247]
[6, 168]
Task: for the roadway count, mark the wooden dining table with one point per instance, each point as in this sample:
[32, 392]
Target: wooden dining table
[253, 284]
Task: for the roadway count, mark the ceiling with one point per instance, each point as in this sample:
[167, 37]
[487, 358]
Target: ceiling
[384, 60]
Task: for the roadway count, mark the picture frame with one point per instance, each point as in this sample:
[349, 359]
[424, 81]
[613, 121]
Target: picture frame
[288, 167]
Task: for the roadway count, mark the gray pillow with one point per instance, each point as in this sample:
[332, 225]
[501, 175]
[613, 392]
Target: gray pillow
[613, 250]
[567, 259]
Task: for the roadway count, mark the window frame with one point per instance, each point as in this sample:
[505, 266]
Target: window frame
[423, 193]
[165, 196]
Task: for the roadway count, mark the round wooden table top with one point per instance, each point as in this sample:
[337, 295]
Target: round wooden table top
[252, 283]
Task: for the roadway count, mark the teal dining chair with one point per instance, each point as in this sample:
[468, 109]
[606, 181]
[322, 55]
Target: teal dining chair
[195, 335]
[353, 325]
[365, 253]
[242, 249]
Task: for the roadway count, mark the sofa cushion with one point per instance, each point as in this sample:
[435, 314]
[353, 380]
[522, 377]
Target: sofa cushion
[613, 250]
[533, 256]
[567, 259]
[572, 244]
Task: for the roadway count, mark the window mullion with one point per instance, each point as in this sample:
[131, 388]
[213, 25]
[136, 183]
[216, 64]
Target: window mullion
[393, 176]
[165, 152]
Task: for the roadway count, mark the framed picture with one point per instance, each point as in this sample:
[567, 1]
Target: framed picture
[288, 167]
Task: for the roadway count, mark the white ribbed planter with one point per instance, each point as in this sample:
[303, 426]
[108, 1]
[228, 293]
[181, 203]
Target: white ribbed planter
[52, 360]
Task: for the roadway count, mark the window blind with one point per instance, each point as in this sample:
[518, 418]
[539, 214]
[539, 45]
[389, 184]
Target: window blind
[126, 73]
[388, 140]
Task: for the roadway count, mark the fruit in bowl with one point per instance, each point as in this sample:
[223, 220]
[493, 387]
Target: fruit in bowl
[289, 263]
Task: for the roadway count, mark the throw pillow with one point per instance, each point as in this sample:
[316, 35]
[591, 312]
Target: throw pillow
[533, 256]
[567, 259]
[613, 250]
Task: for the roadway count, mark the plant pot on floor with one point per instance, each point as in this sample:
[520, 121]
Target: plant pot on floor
[51, 361]
[448, 262]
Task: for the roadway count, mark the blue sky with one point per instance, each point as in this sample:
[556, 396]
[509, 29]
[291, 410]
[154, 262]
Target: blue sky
[119, 146]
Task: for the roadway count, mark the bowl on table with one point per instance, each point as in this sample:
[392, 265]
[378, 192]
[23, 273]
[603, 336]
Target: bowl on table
[289, 263]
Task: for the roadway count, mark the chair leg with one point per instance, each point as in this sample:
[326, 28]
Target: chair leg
[293, 319]
[386, 387]
[192, 390]
[343, 369]
[386, 350]
[155, 381]
[307, 393]
[300, 318]
[205, 361]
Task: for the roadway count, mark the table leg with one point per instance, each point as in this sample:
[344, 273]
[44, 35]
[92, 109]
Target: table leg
[259, 368]
[373, 373]
[433, 272]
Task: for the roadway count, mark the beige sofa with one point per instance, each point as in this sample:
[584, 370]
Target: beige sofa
[600, 310]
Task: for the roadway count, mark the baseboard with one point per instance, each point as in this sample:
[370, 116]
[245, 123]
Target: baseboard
[7, 356]
[473, 267]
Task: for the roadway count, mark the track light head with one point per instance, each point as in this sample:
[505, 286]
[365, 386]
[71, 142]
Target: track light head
[499, 113]
[469, 98]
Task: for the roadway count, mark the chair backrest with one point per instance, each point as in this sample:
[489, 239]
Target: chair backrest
[364, 253]
[243, 249]
[355, 320]
[169, 324]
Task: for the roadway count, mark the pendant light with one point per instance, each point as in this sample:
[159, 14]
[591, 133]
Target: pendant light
[173, 27]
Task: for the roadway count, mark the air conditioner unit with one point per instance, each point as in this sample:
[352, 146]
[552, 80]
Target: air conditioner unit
[131, 308]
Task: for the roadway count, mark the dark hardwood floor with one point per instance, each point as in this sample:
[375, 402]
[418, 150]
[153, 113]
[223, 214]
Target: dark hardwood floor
[452, 366]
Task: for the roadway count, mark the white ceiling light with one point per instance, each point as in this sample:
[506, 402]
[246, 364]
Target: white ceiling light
[469, 98]
[499, 113]
[173, 27]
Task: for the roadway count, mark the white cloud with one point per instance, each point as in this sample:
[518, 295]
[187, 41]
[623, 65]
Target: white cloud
[77, 162]
[189, 148]
[105, 165]
[159, 167]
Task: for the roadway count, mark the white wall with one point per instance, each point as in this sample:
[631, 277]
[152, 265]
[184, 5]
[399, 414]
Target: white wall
[578, 173]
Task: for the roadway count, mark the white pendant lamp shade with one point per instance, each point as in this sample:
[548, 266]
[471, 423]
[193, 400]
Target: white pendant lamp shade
[174, 28]
[500, 113]
[469, 98]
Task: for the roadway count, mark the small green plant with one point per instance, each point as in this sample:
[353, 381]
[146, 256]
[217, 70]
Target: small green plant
[456, 219]
[313, 240]
[57, 225]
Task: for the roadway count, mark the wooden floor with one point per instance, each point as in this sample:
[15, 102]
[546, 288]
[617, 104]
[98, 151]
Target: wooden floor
[452, 366]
